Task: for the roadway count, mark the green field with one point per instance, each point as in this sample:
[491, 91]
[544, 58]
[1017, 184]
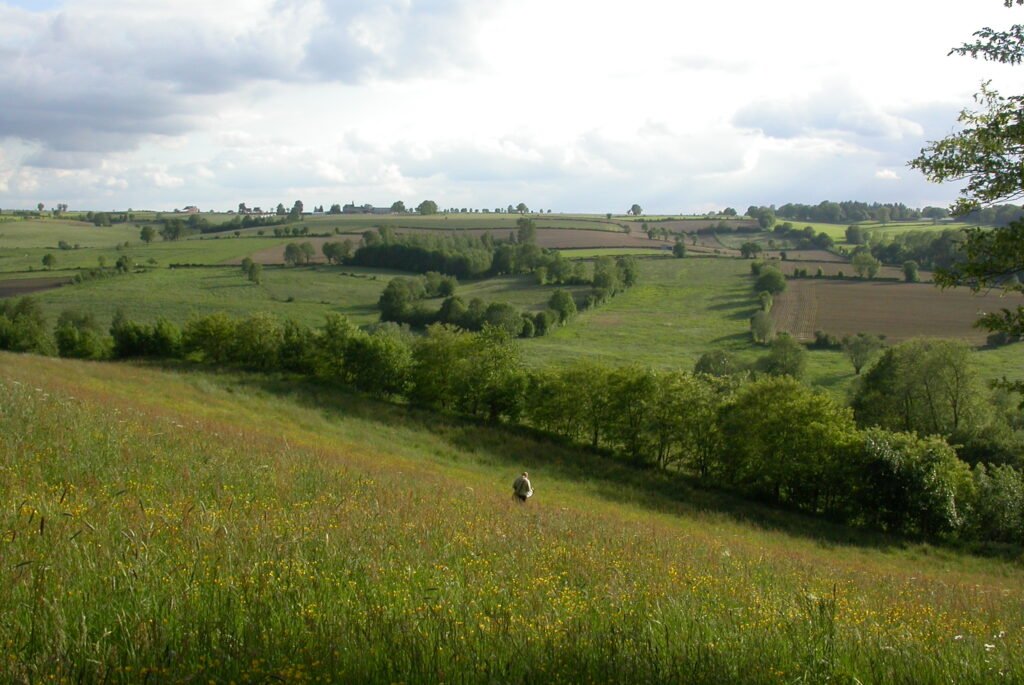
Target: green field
[680, 309]
[838, 231]
[173, 527]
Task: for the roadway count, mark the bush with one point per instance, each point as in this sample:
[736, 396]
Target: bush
[771, 280]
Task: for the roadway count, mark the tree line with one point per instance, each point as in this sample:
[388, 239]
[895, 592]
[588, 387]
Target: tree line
[885, 463]
[851, 212]
[404, 299]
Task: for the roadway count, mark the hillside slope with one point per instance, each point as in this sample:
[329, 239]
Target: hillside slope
[177, 525]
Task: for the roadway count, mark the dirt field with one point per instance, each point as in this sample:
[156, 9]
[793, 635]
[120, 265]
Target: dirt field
[546, 237]
[26, 286]
[897, 310]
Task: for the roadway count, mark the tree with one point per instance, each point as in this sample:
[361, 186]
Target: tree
[762, 328]
[861, 349]
[296, 212]
[855, 235]
[242, 209]
[398, 207]
[563, 303]
[910, 274]
[147, 234]
[522, 208]
[636, 210]
[281, 211]
[40, 207]
[771, 280]
[255, 273]
[749, 250]
[786, 357]
[679, 249]
[427, 207]
[79, 336]
[922, 385]
[787, 442]
[717, 363]
[865, 264]
[988, 152]
[293, 254]
[526, 231]
[49, 261]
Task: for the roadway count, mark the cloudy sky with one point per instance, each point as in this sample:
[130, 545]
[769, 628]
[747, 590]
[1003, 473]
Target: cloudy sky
[573, 105]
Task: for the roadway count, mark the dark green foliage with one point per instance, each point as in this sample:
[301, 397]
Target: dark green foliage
[861, 349]
[210, 338]
[563, 304]
[825, 341]
[504, 316]
[79, 336]
[785, 442]
[908, 484]
[337, 252]
[786, 357]
[717, 363]
[762, 328]
[771, 280]
[130, 339]
[23, 327]
[378, 363]
[910, 274]
[927, 386]
[749, 250]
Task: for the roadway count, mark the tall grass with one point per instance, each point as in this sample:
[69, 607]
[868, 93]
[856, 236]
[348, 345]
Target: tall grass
[202, 531]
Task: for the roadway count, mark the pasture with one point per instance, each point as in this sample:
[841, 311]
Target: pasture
[181, 526]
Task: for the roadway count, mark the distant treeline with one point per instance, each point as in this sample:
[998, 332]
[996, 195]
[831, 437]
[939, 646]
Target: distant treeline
[849, 212]
[853, 212]
[461, 255]
[888, 466]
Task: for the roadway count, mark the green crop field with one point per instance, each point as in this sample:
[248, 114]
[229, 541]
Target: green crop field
[172, 527]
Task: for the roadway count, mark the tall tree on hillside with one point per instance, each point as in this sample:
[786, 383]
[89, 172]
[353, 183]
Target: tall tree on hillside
[636, 210]
[522, 208]
[988, 152]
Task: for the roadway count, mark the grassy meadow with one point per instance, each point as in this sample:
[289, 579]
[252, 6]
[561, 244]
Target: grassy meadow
[177, 526]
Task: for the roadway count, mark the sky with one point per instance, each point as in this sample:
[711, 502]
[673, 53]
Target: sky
[568, 105]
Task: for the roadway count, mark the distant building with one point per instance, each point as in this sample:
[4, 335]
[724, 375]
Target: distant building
[191, 209]
[352, 208]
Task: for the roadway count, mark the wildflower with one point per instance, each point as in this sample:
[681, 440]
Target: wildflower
[958, 637]
[988, 647]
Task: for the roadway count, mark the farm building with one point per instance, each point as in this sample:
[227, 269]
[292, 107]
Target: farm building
[352, 208]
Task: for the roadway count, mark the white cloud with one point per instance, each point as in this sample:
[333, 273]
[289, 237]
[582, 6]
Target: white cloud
[574, 104]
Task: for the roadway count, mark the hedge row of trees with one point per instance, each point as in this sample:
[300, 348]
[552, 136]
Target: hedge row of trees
[403, 300]
[850, 212]
[767, 437]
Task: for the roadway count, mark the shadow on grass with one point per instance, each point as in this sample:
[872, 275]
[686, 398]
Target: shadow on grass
[510, 447]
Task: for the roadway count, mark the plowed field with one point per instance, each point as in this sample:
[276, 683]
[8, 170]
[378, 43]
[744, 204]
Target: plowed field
[26, 286]
[897, 310]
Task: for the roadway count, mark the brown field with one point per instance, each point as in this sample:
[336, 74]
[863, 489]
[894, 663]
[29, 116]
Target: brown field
[26, 286]
[546, 237]
[897, 310]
